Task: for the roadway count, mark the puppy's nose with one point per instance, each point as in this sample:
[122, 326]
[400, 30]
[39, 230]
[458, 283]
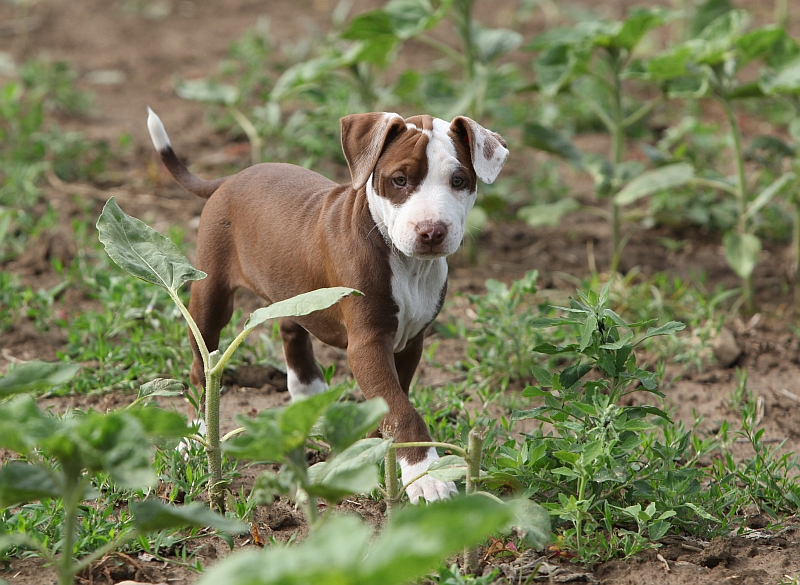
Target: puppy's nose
[431, 233]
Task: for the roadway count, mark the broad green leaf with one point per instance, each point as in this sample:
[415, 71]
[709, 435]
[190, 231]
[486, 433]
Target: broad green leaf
[161, 387]
[23, 426]
[587, 332]
[300, 305]
[572, 374]
[21, 483]
[276, 432]
[353, 471]
[344, 551]
[758, 43]
[547, 214]
[655, 180]
[377, 36]
[517, 414]
[409, 18]
[36, 376]
[552, 141]
[591, 451]
[531, 523]
[567, 456]
[10, 540]
[726, 28]
[542, 375]
[639, 22]
[115, 443]
[143, 252]
[741, 251]
[207, 90]
[153, 515]
[702, 513]
[448, 468]
[768, 193]
[418, 538]
[670, 64]
[344, 423]
[785, 80]
[157, 422]
[665, 329]
[706, 13]
[494, 42]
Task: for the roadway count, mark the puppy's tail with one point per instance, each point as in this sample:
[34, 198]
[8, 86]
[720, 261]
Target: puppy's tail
[187, 180]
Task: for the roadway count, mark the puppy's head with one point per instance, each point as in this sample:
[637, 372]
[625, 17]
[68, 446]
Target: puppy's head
[420, 175]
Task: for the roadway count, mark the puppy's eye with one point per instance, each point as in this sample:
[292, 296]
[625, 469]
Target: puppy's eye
[458, 182]
[399, 181]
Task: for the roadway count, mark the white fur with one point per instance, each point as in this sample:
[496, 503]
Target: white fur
[299, 390]
[487, 169]
[427, 487]
[157, 132]
[416, 289]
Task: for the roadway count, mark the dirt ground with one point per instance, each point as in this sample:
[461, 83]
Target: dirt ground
[128, 54]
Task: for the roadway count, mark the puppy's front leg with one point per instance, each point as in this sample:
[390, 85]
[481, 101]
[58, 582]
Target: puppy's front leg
[373, 365]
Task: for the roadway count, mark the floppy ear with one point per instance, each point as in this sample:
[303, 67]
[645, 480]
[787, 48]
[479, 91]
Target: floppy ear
[487, 149]
[363, 137]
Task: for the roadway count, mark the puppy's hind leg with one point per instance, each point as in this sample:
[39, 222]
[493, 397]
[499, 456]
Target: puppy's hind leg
[305, 377]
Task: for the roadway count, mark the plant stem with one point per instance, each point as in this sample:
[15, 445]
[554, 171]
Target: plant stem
[390, 477]
[215, 489]
[474, 454]
[741, 199]
[617, 138]
[72, 498]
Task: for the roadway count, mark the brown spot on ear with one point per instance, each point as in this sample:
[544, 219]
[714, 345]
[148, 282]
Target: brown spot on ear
[488, 150]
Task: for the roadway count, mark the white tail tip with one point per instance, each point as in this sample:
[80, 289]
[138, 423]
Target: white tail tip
[157, 132]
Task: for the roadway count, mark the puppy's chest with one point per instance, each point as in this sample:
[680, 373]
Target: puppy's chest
[416, 290]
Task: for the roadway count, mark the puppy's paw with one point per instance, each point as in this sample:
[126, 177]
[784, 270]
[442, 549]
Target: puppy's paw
[427, 487]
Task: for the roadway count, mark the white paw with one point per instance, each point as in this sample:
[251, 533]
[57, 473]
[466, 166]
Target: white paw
[426, 486]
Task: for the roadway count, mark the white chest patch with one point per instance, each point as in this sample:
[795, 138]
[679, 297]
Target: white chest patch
[416, 289]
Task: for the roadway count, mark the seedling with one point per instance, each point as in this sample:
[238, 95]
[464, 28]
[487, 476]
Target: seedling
[591, 60]
[709, 66]
[148, 255]
[63, 457]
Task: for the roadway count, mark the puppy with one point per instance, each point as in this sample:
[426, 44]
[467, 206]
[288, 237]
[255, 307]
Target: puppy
[281, 230]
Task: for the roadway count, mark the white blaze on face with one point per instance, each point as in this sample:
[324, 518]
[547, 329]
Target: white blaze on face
[435, 200]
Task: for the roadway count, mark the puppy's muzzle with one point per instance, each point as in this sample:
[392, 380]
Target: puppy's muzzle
[430, 235]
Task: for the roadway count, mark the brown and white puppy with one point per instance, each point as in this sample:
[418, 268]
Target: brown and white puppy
[281, 230]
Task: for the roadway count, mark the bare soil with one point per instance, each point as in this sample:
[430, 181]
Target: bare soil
[146, 45]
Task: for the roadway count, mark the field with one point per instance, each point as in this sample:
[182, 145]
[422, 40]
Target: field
[652, 188]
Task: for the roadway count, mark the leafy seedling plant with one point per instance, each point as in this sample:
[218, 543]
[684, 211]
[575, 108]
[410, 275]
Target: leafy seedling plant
[62, 459]
[710, 66]
[590, 61]
[148, 255]
[591, 465]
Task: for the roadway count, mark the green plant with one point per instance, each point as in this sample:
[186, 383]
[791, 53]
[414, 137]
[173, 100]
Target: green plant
[63, 457]
[148, 255]
[504, 333]
[279, 435]
[594, 462]
[31, 147]
[710, 65]
[590, 61]
[345, 551]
